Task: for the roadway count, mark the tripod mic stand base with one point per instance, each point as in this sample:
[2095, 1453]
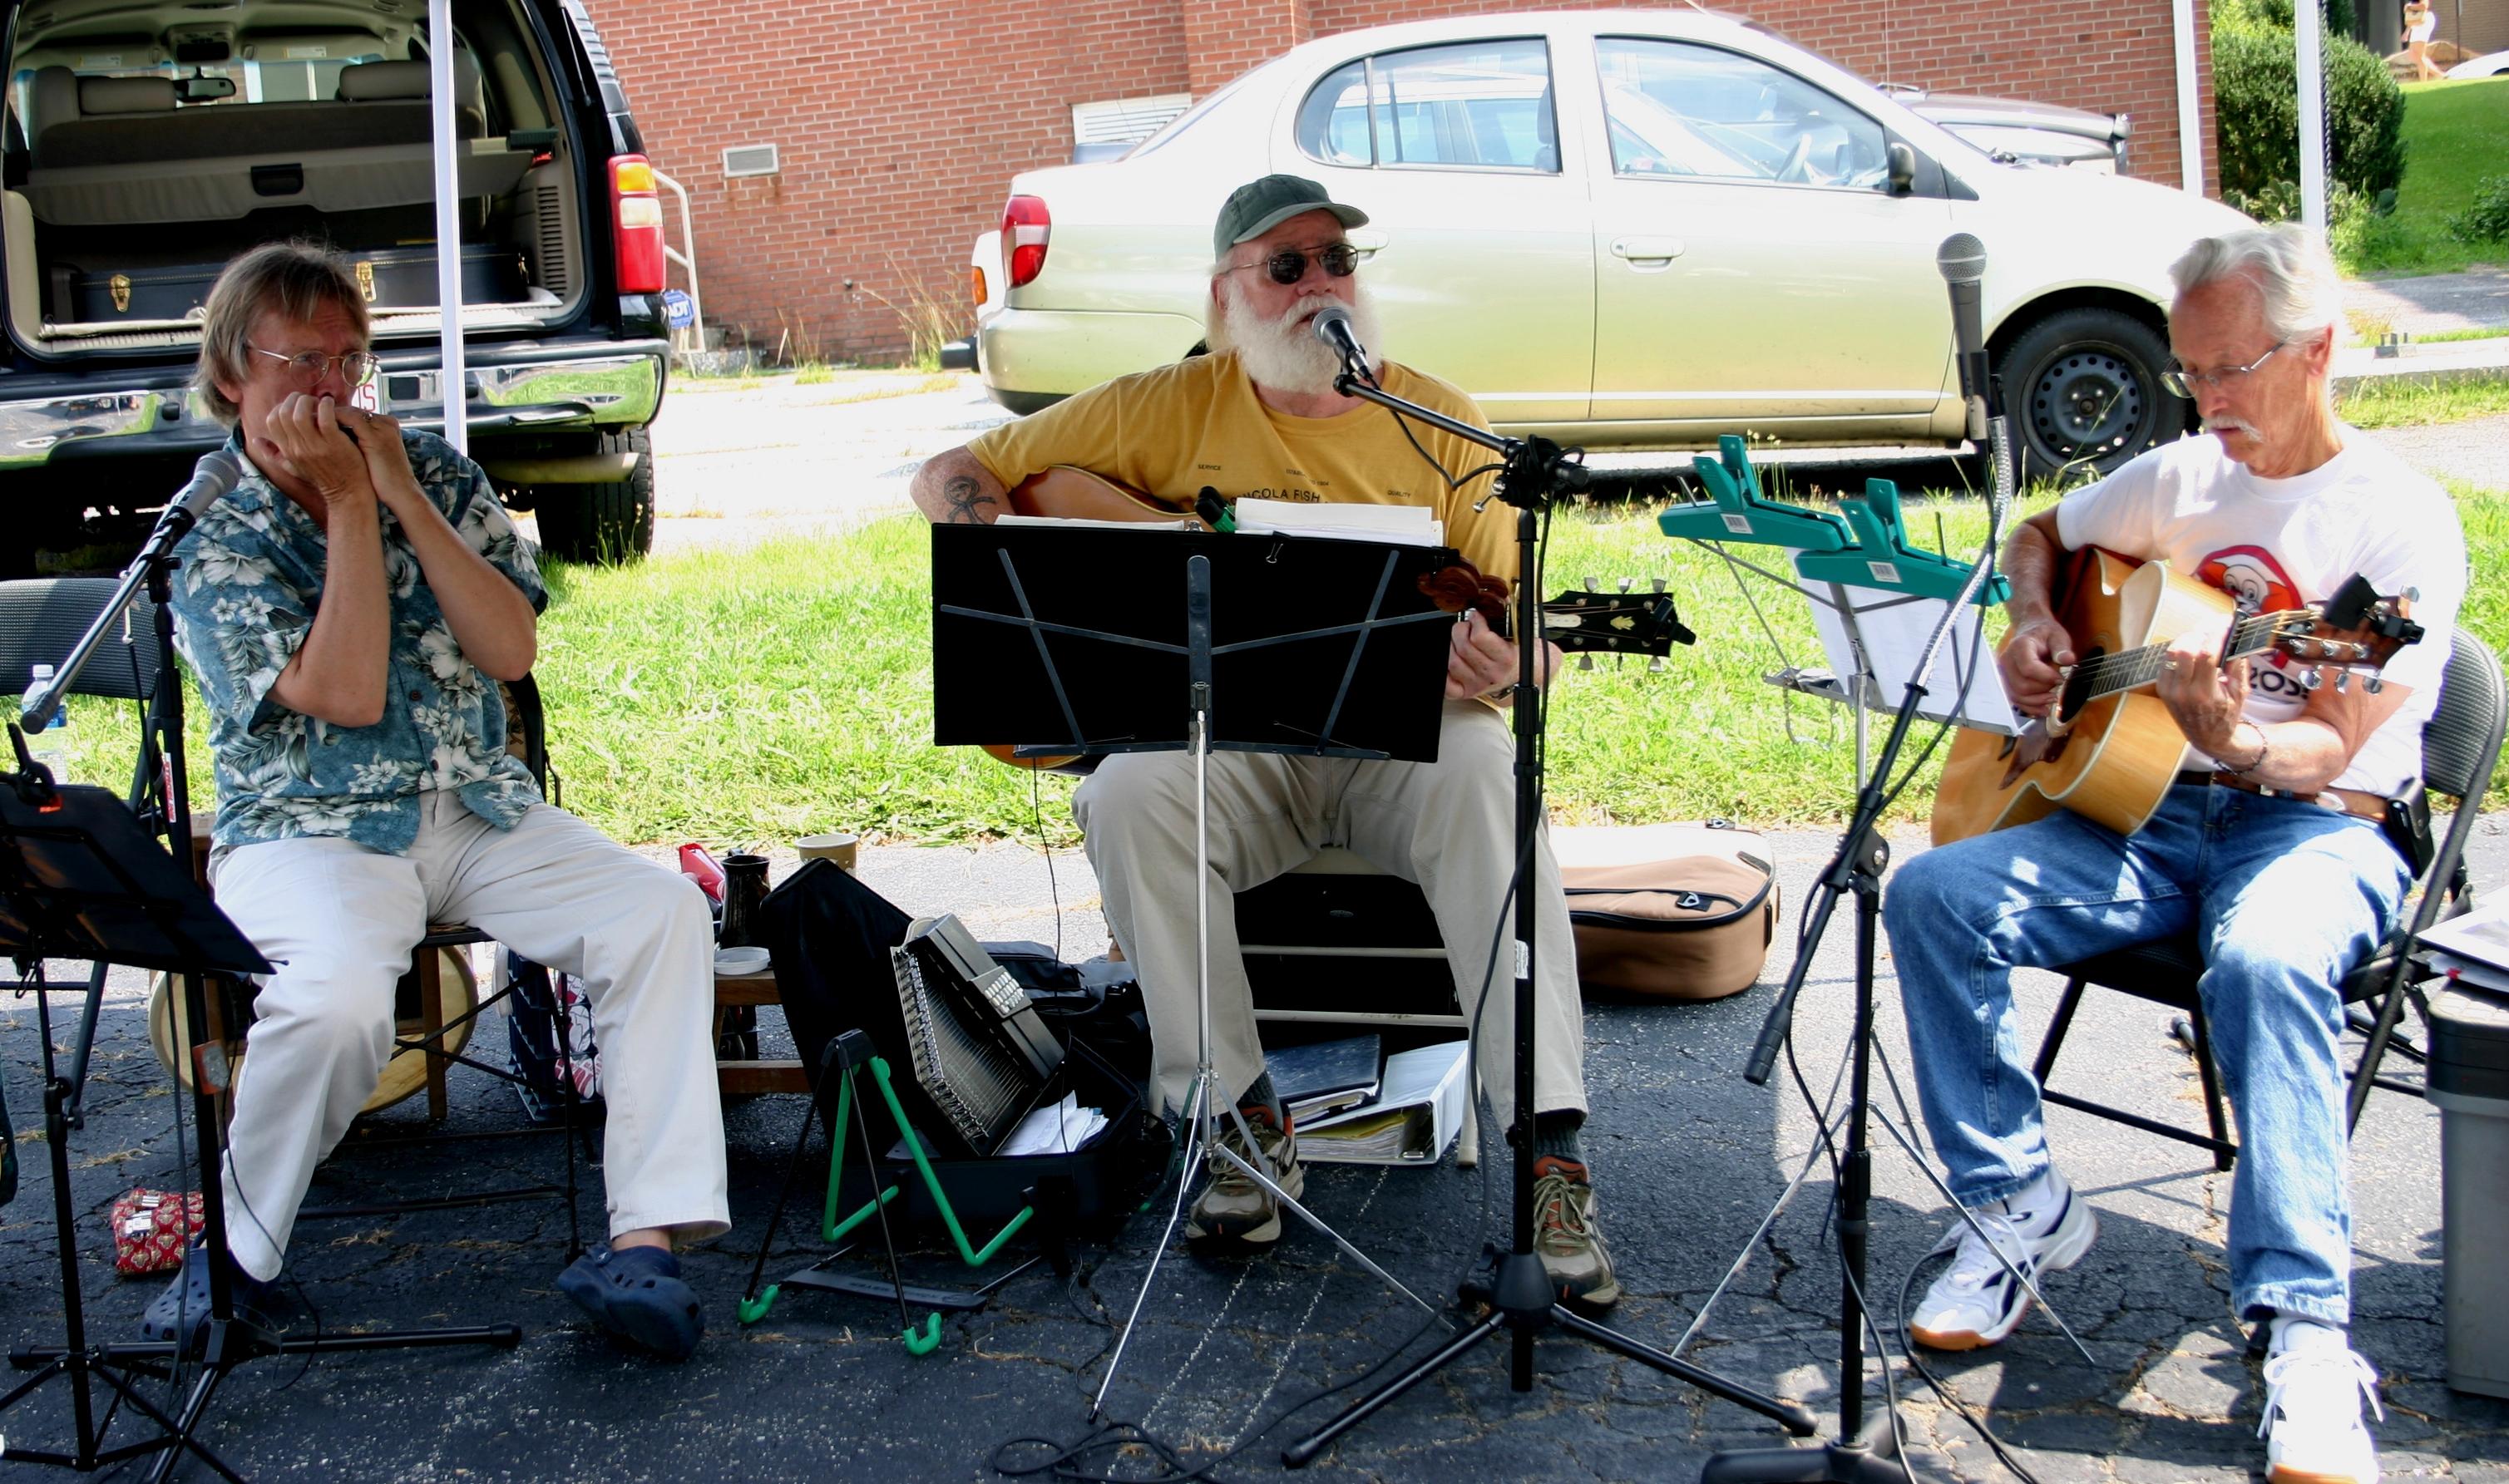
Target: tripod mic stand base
[1872, 1458]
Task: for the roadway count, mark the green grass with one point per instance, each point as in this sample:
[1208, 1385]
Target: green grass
[747, 697]
[2453, 133]
[2385, 403]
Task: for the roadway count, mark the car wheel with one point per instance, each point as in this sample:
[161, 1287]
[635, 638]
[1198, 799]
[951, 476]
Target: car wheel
[2083, 389]
[604, 523]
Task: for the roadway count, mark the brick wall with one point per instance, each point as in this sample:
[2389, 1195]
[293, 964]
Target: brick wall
[901, 124]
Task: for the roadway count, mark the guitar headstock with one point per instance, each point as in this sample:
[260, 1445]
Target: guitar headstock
[1623, 622]
[2355, 632]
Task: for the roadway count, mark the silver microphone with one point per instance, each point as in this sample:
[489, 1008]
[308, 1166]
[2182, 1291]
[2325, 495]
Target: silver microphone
[211, 479]
[1333, 326]
[1962, 259]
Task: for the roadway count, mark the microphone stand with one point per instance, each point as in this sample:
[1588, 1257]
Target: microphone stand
[1535, 472]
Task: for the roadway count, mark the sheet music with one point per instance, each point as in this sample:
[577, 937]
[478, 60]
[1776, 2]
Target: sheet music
[1894, 628]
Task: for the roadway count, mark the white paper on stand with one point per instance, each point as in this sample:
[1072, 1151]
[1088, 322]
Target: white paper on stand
[2481, 935]
[1416, 1114]
[1056, 1130]
[1894, 628]
[1395, 525]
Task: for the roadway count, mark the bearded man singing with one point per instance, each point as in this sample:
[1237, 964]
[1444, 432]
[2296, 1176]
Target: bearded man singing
[1258, 416]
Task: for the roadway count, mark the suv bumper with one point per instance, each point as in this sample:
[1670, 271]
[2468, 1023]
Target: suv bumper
[619, 387]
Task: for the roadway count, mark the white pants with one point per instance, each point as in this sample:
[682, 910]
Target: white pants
[340, 921]
[1449, 825]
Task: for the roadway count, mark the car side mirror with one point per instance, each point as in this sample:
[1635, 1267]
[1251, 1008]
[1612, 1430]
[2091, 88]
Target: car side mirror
[1903, 167]
[207, 89]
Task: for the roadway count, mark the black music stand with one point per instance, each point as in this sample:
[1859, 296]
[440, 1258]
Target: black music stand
[80, 879]
[1332, 645]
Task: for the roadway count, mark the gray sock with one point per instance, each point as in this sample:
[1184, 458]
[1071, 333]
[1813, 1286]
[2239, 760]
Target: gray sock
[1260, 1096]
[1555, 1135]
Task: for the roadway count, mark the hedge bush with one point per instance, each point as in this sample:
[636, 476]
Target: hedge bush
[2256, 92]
[2487, 221]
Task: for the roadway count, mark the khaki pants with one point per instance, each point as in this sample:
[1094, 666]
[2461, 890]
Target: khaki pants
[340, 921]
[1449, 825]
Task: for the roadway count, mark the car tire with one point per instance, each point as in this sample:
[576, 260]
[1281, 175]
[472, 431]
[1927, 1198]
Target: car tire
[2083, 387]
[609, 524]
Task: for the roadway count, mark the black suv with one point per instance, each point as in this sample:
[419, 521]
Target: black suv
[146, 144]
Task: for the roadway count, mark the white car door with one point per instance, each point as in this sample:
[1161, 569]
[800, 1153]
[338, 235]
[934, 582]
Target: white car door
[1480, 234]
[1751, 263]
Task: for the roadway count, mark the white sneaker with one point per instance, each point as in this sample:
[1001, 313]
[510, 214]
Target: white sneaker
[2039, 1230]
[2314, 1382]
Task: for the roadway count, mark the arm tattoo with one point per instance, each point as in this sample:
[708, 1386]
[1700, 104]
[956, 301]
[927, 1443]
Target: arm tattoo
[964, 496]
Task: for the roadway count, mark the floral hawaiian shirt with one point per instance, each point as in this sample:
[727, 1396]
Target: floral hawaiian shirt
[244, 599]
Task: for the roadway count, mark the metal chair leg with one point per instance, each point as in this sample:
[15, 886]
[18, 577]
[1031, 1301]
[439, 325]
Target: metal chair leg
[2224, 1152]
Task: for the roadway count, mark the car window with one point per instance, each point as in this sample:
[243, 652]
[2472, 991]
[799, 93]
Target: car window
[1677, 108]
[1480, 105]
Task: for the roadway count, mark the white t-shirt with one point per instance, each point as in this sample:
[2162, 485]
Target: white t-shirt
[2282, 544]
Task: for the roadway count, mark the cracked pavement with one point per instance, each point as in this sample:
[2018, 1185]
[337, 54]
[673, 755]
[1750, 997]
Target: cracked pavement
[1688, 1158]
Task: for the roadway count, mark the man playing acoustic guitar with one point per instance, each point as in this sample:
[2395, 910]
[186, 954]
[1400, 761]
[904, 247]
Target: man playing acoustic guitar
[2268, 850]
[1259, 416]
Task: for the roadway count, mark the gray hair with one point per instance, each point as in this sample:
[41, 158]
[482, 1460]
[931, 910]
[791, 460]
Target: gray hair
[297, 281]
[2287, 262]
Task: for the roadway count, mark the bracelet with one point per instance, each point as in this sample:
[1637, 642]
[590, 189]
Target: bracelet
[1503, 692]
[2261, 749]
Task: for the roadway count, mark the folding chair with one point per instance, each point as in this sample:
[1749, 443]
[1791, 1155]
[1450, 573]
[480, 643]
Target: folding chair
[1306, 934]
[2461, 744]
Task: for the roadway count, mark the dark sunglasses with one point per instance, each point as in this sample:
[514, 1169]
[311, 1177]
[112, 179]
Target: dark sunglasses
[1287, 267]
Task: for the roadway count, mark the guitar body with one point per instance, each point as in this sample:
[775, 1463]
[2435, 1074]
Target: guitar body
[1067, 492]
[2114, 762]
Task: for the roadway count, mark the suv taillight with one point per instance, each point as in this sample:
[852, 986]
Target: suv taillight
[1025, 226]
[636, 214]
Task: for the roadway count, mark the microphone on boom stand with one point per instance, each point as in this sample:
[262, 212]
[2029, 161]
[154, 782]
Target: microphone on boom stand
[1333, 326]
[1961, 260]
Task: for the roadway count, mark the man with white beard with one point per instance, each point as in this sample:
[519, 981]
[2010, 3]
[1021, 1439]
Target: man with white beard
[1258, 416]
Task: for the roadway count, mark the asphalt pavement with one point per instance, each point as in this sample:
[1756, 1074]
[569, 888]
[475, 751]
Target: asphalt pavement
[1689, 1159]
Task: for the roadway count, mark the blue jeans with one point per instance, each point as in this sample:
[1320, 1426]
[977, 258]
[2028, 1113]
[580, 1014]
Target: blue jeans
[2285, 896]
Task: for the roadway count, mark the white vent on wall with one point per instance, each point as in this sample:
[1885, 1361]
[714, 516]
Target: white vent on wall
[749, 160]
[1125, 120]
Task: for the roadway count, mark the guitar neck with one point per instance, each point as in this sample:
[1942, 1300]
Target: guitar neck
[2133, 669]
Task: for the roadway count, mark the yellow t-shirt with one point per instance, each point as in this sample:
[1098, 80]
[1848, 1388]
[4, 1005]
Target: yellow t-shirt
[1172, 430]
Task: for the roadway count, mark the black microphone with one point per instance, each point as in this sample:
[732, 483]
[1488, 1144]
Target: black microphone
[1961, 258]
[1333, 326]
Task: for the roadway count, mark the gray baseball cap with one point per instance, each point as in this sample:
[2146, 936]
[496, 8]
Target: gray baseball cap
[1259, 206]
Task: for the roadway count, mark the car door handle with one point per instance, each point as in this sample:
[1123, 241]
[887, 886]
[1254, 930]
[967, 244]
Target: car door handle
[1648, 249]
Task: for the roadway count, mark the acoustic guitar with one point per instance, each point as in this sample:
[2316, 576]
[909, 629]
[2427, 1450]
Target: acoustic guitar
[2109, 750]
[1616, 623]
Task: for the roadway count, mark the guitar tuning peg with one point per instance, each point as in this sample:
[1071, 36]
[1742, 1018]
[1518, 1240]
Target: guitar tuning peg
[2342, 682]
[1659, 588]
[1586, 660]
[2373, 685]
[2311, 678]
[1628, 583]
[1591, 586]
[1657, 666]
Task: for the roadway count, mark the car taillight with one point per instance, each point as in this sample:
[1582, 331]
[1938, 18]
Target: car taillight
[636, 210]
[1025, 226]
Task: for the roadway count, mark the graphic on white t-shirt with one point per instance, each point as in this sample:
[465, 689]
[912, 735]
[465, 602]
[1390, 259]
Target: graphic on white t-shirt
[2253, 579]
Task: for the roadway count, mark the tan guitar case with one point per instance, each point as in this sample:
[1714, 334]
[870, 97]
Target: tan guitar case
[1669, 912]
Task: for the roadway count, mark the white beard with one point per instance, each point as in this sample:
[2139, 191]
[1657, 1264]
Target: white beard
[1283, 355]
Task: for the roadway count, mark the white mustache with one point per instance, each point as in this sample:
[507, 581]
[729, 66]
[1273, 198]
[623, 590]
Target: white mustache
[2231, 424]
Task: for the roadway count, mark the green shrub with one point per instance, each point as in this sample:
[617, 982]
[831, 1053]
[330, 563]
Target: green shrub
[2487, 219]
[2256, 92]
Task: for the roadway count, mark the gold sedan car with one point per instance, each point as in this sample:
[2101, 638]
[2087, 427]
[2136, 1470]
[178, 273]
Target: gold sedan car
[1640, 230]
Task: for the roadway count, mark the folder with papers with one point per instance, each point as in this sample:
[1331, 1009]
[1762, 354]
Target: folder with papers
[1417, 1111]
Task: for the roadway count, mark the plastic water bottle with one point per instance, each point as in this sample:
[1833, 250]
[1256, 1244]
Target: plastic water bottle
[52, 745]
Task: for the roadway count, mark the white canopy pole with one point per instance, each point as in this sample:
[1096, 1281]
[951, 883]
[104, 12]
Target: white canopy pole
[2309, 28]
[455, 382]
[2190, 112]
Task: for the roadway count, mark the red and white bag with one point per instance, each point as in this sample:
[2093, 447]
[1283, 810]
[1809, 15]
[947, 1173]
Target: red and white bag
[152, 1228]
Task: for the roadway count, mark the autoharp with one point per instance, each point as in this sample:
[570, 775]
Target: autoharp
[979, 1050]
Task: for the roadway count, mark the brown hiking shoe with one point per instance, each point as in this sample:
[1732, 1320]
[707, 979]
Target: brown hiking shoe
[1232, 1207]
[1566, 1237]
